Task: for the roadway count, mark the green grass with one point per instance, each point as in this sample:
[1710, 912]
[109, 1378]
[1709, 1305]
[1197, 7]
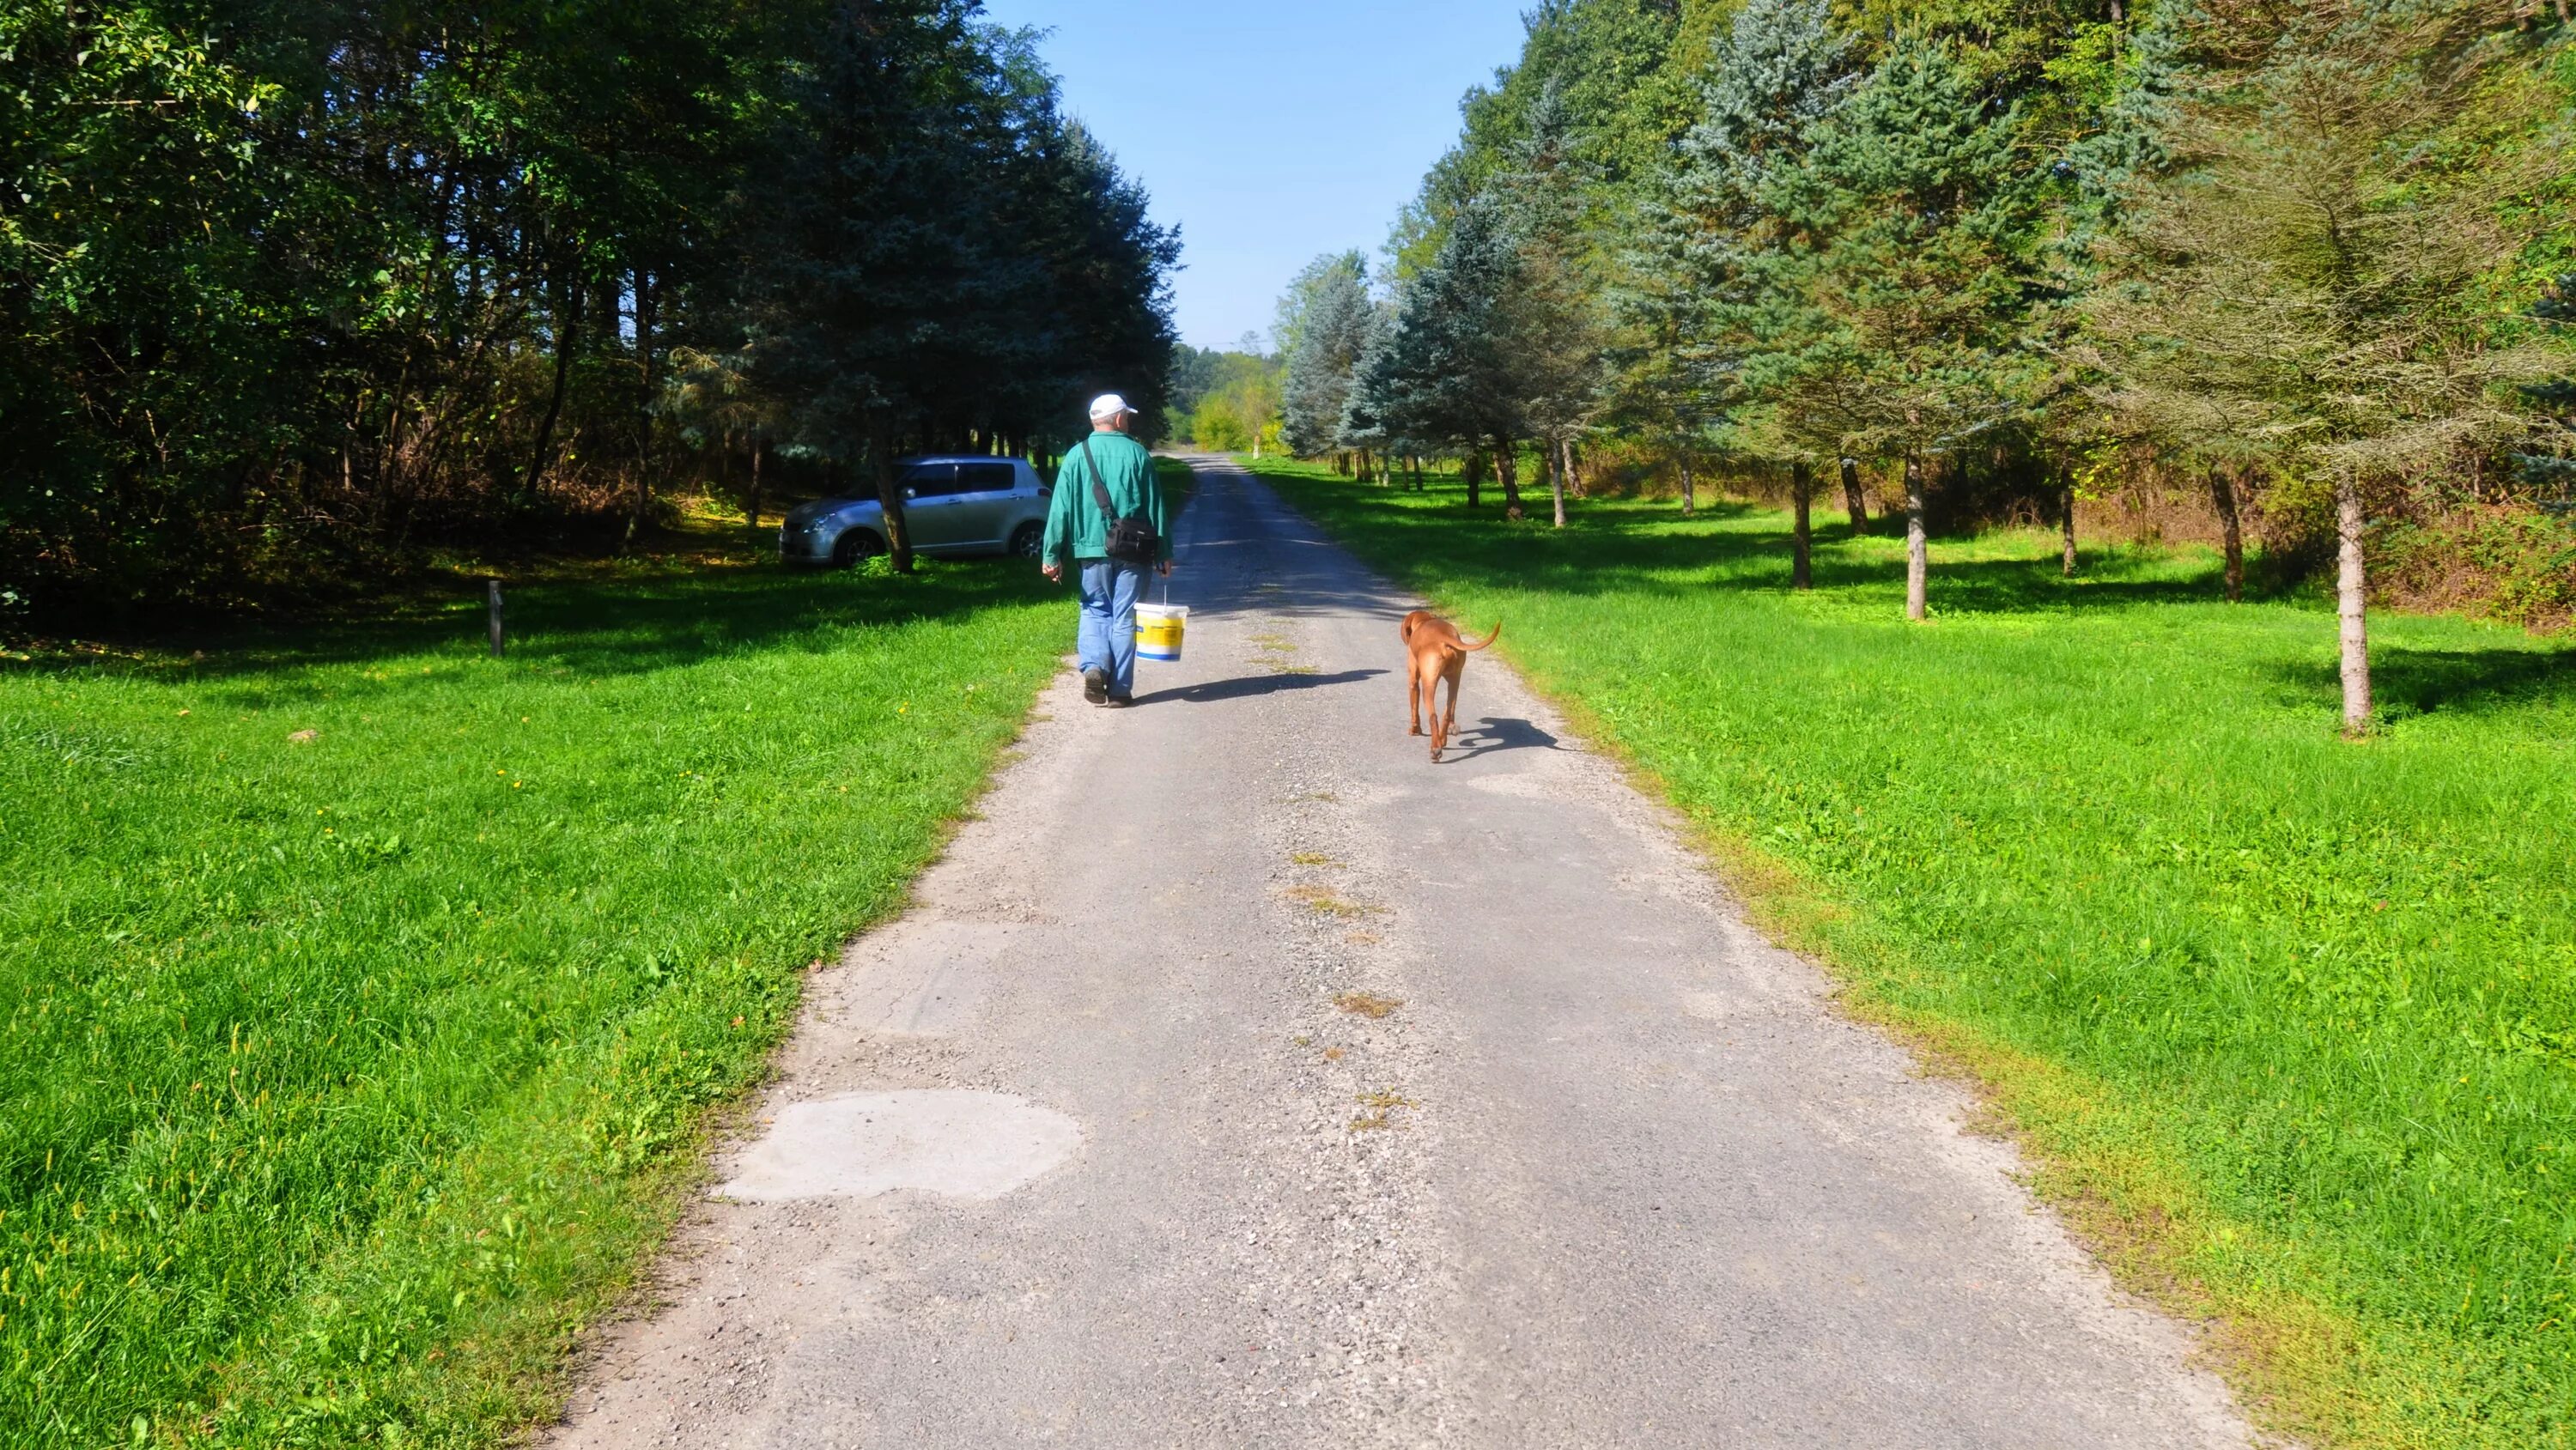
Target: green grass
[2289, 1024]
[343, 1081]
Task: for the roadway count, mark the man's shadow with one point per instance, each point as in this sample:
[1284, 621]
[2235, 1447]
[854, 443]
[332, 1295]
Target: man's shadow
[1490, 734]
[1246, 686]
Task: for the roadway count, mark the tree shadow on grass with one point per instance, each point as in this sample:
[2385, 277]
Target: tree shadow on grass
[590, 628]
[2407, 681]
[2017, 586]
[1582, 517]
[1625, 552]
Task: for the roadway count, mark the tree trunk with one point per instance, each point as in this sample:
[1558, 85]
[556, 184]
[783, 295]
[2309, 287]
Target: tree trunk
[567, 325]
[1507, 472]
[2066, 527]
[1553, 456]
[389, 471]
[889, 492]
[1573, 468]
[2222, 496]
[1802, 490]
[1918, 546]
[1474, 468]
[1855, 501]
[2351, 602]
[1690, 499]
[646, 316]
[759, 446]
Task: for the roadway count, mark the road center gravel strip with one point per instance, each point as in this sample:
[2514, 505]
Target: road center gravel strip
[1244, 1079]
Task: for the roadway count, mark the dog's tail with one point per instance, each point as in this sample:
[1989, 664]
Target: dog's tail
[1488, 639]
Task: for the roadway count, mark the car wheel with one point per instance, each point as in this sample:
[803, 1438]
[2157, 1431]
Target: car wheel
[1027, 540]
[854, 545]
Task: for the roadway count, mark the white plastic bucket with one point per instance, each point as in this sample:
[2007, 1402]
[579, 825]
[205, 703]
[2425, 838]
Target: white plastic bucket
[1159, 628]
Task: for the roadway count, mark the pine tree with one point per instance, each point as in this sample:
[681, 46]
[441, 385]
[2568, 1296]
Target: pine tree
[950, 256]
[1886, 304]
[1554, 328]
[2082, 410]
[1444, 375]
[886, 277]
[2305, 277]
[1367, 424]
[1331, 329]
[1688, 301]
[1780, 69]
[2549, 464]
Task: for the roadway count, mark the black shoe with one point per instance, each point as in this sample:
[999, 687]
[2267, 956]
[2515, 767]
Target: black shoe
[1095, 686]
[1122, 701]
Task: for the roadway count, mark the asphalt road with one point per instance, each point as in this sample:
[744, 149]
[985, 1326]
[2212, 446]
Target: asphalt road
[1084, 1152]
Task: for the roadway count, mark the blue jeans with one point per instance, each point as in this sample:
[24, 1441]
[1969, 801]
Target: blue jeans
[1107, 640]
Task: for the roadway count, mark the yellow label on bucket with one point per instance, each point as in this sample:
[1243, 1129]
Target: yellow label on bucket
[1158, 630]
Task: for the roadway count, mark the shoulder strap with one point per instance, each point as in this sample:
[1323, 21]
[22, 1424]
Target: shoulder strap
[1099, 490]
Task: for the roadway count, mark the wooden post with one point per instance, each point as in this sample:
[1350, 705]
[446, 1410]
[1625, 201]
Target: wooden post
[492, 598]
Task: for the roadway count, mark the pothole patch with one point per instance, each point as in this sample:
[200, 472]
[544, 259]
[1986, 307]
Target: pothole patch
[933, 1140]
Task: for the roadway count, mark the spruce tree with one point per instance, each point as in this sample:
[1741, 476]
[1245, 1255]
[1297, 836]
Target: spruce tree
[1690, 301]
[1887, 305]
[2548, 464]
[1552, 319]
[1445, 374]
[2305, 278]
[1367, 423]
[1332, 329]
[885, 275]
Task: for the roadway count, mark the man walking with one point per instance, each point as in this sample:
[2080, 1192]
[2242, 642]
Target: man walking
[1107, 517]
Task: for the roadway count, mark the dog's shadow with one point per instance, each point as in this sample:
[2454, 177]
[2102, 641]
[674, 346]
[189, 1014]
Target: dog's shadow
[1247, 686]
[1491, 734]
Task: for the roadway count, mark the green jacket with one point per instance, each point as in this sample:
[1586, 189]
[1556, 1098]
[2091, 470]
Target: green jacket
[1075, 528]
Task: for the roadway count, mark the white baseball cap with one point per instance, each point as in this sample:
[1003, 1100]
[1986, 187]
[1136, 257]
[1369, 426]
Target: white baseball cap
[1108, 405]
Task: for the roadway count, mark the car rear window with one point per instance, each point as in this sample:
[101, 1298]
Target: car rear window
[987, 477]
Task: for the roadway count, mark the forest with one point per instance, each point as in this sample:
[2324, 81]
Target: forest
[2296, 276]
[298, 293]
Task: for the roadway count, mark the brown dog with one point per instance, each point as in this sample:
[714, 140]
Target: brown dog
[1437, 653]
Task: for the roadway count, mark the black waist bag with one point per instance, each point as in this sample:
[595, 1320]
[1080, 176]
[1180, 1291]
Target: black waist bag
[1132, 539]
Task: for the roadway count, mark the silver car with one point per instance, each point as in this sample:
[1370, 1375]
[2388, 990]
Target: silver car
[954, 504]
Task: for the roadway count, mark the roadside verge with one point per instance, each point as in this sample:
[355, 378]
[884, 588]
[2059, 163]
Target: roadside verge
[2236, 987]
[372, 995]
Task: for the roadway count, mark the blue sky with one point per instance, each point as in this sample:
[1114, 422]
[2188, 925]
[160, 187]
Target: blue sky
[1273, 131]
